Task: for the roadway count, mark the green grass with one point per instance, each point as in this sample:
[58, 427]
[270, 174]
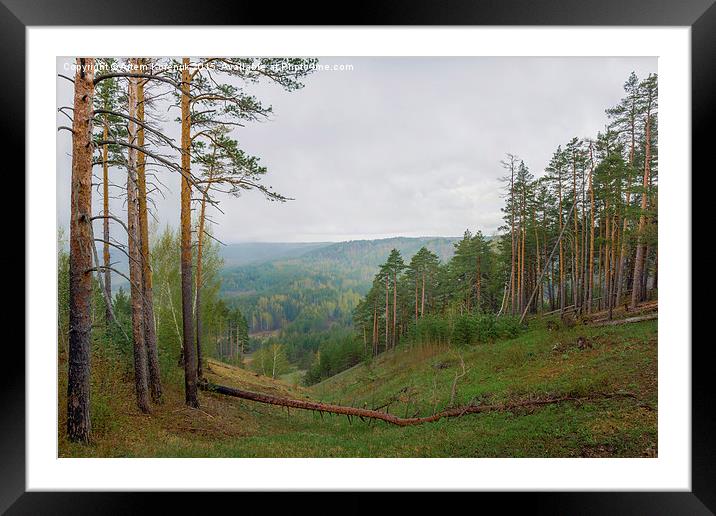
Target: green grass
[419, 381]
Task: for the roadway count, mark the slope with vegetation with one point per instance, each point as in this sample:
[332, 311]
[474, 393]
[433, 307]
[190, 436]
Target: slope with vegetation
[617, 368]
[416, 328]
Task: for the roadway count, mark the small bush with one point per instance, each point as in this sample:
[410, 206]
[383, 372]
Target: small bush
[430, 329]
[508, 327]
[485, 329]
[463, 331]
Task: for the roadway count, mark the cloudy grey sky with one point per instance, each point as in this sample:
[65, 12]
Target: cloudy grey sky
[397, 146]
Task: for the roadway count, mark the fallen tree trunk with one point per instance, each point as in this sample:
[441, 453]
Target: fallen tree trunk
[566, 309]
[617, 322]
[389, 418]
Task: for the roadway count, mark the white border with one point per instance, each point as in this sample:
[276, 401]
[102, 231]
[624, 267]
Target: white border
[671, 470]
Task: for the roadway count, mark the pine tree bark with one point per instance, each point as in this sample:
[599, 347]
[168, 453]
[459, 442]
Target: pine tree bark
[478, 285]
[600, 263]
[387, 313]
[135, 257]
[512, 236]
[395, 304]
[575, 261]
[623, 251]
[561, 248]
[538, 306]
[523, 231]
[636, 294]
[607, 264]
[375, 328]
[105, 221]
[199, 270]
[80, 276]
[590, 285]
[190, 379]
[552, 303]
[416, 296]
[422, 297]
[150, 332]
[613, 261]
[199, 279]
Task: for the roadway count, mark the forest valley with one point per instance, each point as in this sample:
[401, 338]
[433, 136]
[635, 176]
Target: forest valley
[546, 328]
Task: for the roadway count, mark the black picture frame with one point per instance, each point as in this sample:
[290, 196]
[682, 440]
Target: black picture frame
[700, 15]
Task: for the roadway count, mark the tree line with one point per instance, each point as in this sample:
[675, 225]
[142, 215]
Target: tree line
[581, 237]
[113, 125]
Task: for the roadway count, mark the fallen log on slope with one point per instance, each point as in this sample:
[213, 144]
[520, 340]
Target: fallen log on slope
[389, 418]
[616, 322]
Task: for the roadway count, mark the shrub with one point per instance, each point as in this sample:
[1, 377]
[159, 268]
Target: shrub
[430, 329]
[485, 328]
[508, 327]
[463, 331]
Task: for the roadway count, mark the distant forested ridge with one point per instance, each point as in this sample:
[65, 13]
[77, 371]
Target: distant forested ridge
[254, 252]
[318, 286]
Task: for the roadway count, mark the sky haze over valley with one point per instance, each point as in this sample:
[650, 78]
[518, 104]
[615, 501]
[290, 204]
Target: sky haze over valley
[395, 146]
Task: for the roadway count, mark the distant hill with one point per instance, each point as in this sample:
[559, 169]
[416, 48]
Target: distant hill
[375, 252]
[319, 284]
[251, 252]
[352, 263]
[264, 266]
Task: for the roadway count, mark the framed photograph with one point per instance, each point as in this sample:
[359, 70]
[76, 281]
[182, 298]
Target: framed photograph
[419, 252]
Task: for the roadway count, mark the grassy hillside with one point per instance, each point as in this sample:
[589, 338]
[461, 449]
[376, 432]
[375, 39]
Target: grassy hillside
[536, 364]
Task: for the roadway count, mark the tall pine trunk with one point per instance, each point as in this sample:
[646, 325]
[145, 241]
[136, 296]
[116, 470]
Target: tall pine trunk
[422, 297]
[607, 264]
[190, 379]
[199, 269]
[623, 250]
[613, 261]
[135, 258]
[590, 284]
[387, 313]
[575, 260]
[80, 276]
[636, 294]
[478, 285]
[512, 236]
[105, 221]
[561, 248]
[375, 328]
[416, 296]
[395, 304]
[150, 332]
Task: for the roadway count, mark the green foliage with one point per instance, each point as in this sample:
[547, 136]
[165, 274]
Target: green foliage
[119, 333]
[325, 283]
[335, 356]
[432, 329]
[63, 291]
[167, 301]
[463, 331]
[270, 360]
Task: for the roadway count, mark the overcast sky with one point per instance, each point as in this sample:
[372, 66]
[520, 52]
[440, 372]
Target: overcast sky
[396, 146]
